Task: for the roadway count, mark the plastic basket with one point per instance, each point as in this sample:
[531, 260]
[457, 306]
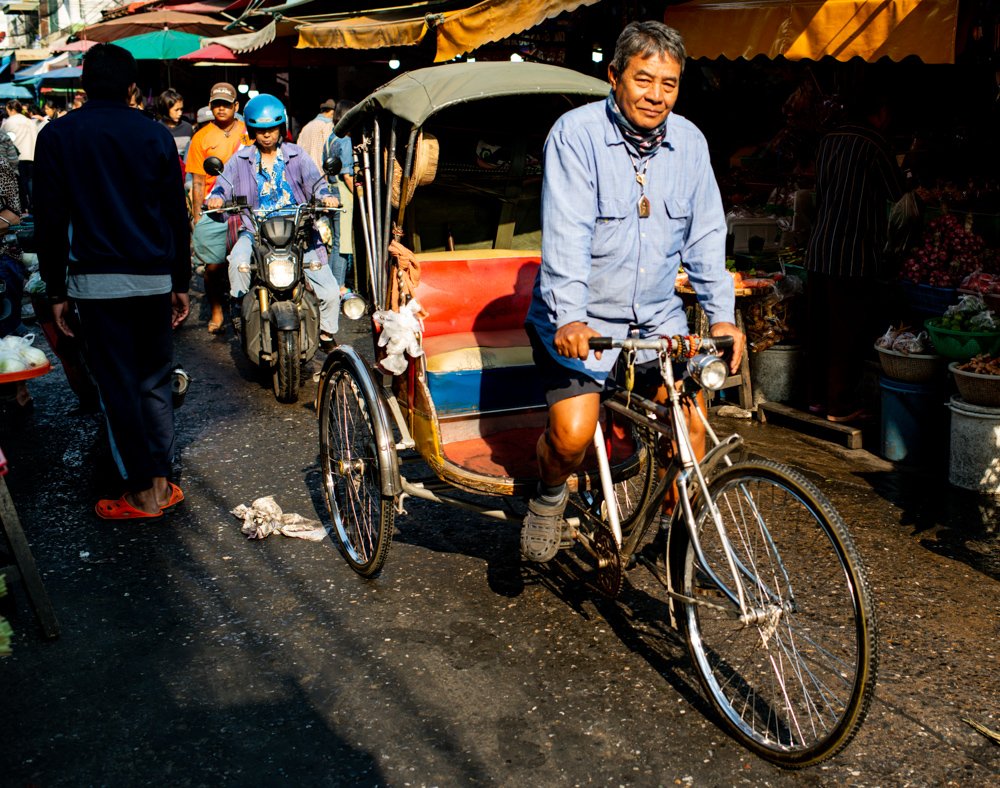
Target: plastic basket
[909, 367]
[928, 300]
[962, 345]
[975, 388]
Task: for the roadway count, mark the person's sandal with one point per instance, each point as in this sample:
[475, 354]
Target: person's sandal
[541, 534]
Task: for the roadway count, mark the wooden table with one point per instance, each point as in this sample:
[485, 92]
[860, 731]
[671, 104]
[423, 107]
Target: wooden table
[23, 569]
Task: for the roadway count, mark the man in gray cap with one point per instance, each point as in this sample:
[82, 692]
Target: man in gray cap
[315, 133]
[222, 138]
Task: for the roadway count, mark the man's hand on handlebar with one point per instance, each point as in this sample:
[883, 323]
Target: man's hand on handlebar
[739, 343]
[214, 202]
[573, 340]
[331, 202]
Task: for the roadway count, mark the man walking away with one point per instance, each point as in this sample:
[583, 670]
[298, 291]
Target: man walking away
[113, 235]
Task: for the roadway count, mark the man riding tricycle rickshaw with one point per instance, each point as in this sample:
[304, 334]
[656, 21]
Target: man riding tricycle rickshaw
[558, 366]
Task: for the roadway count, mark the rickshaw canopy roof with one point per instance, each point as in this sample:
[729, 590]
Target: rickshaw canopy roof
[416, 95]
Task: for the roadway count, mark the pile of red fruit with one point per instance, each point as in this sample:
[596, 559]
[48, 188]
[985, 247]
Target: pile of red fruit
[947, 253]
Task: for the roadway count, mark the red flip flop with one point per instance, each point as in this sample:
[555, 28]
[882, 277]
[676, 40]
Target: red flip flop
[121, 509]
[176, 496]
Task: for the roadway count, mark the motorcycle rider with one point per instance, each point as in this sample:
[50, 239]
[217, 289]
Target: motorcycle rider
[273, 174]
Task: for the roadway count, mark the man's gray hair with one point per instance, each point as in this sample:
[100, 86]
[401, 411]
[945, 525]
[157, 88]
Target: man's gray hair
[646, 39]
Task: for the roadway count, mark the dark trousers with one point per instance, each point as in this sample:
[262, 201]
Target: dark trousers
[129, 347]
[839, 328]
[25, 171]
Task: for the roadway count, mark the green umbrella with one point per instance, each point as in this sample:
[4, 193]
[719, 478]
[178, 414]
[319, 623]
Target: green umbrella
[160, 45]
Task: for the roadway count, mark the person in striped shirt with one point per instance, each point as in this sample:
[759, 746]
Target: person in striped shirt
[856, 177]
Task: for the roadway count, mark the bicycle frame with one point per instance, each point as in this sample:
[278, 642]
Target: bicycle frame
[687, 471]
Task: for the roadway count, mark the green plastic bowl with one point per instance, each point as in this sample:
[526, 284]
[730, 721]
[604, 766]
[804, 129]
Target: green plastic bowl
[962, 345]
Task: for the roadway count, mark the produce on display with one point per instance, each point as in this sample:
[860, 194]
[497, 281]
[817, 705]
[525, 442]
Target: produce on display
[17, 354]
[948, 252]
[983, 364]
[969, 314]
[768, 319]
[903, 340]
[980, 282]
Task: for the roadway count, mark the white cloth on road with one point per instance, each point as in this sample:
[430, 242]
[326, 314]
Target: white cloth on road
[263, 517]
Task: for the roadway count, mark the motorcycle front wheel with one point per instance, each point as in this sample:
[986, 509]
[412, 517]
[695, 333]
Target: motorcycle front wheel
[286, 371]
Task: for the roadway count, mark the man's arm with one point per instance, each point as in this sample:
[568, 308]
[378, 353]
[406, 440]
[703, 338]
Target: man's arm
[52, 214]
[197, 195]
[175, 215]
[569, 213]
[195, 165]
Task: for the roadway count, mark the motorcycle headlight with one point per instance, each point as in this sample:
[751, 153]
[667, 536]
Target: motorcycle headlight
[709, 372]
[281, 271]
[352, 305]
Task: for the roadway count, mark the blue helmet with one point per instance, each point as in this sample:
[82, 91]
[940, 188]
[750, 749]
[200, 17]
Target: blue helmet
[264, 112]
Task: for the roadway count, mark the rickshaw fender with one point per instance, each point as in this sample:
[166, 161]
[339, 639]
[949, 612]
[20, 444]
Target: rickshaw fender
[346, 357]
[284, 316]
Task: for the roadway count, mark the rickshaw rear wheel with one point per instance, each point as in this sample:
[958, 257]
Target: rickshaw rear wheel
[350, 463]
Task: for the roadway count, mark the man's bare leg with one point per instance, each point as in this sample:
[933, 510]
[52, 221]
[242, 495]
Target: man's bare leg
[561, 449]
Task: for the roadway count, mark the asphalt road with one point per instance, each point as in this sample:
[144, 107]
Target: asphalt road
[192, 656]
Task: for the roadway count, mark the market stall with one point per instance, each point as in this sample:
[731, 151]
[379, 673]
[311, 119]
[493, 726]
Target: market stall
[765, 112]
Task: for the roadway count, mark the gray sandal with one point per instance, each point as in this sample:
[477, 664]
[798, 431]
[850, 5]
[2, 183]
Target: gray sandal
[541, 534]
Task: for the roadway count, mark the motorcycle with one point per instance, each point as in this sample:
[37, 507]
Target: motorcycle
[279, 325]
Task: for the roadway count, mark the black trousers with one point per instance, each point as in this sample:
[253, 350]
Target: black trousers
[25, 173]
[842, 318]
[129, 347]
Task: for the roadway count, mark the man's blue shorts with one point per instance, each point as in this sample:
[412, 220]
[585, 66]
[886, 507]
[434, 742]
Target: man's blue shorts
[559, 382]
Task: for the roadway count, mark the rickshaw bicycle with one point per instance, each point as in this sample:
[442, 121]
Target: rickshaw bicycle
[761, 575]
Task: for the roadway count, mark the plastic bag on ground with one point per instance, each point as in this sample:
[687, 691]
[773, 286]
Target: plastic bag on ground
[263, 517]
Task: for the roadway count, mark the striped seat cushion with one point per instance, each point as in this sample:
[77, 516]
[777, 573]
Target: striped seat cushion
[481, 371]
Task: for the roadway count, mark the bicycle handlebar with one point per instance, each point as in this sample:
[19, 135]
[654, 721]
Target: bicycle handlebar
[675, 346]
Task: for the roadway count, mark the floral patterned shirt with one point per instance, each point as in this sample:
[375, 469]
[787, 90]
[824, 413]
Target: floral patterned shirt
[11, 200]
[273, 188]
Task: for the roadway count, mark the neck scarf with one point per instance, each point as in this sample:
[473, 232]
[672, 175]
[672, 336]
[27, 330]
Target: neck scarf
[642, 142]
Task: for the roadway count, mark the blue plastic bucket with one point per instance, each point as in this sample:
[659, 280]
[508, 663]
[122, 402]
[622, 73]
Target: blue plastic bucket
[913, 420]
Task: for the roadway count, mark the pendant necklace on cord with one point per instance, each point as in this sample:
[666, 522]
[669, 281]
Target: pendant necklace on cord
[640, 177]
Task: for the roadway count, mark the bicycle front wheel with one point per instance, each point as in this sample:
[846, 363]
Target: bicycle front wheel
[793, 680]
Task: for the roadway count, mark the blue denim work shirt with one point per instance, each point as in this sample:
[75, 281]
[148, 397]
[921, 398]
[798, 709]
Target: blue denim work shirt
[604, 265]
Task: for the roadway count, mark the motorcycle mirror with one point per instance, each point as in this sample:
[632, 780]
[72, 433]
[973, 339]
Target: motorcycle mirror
[214, 166]
[333, 166]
